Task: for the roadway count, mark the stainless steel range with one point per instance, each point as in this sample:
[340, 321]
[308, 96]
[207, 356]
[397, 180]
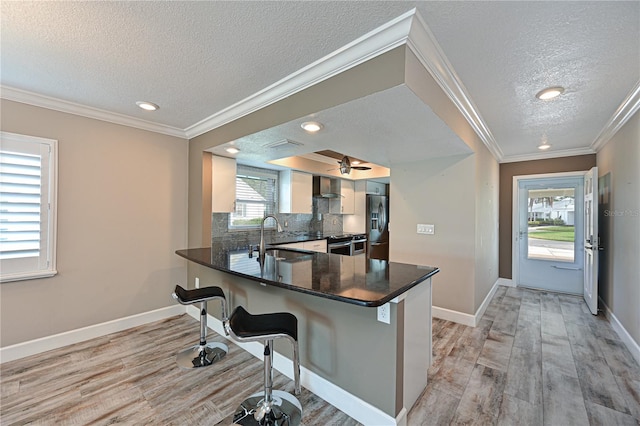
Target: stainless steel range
[347, 244]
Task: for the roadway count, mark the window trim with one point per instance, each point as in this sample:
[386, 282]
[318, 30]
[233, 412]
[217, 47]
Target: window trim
[51, 219]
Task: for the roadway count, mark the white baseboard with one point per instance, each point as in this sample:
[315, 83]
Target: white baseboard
[350, 404]
[507, 282]
[32, 347]
[486, 301]
[626, 338]
[454, 316]
[468, 319]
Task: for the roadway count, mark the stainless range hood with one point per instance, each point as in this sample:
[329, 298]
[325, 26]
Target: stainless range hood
[324, 187]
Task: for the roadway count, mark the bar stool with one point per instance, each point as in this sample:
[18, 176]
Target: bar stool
[268, 407]
[202, 354]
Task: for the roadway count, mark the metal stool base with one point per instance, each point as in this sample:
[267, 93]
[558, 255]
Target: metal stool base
[201, 356]
[286, 410]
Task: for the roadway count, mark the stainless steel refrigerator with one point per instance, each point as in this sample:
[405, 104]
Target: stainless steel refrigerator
[377, 227]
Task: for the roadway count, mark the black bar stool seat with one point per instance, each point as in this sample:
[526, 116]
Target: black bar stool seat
[268, 407]
[203, 354]
[246, 325]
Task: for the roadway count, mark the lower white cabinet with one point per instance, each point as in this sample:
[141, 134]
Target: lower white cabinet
[292, 245]
[316, 245]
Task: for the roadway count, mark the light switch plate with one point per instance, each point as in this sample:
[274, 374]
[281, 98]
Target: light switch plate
[426, 229]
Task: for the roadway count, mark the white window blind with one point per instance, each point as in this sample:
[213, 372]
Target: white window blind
[256, 195]
[27, 207]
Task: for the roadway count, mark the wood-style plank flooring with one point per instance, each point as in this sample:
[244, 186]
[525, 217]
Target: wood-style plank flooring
[535, 358]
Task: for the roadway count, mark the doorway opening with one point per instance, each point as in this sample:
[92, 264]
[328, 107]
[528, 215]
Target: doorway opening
[548, 231]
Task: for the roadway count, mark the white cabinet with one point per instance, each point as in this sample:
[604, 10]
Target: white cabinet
[223, 184]
[348, 197]
[346, 203]
[296, 272]
[292, 245]
[355, 223]
[296, 192]
[316, 245]
[376, 188]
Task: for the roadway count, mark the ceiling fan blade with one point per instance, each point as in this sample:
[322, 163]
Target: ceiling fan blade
[361, 168]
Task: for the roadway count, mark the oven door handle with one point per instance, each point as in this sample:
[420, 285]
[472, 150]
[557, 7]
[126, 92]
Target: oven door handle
[364, 240]
[336, 245]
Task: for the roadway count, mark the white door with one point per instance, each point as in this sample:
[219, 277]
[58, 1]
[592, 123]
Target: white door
[591, 240]
[550, 234]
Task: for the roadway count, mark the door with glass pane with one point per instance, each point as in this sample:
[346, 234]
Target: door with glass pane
[550, 234]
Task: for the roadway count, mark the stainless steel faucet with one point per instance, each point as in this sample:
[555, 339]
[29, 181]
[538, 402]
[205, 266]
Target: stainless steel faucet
[262, 248]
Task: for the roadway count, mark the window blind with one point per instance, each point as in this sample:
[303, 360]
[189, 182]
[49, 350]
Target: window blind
[256, 195]
[20, 205]
[28, 188]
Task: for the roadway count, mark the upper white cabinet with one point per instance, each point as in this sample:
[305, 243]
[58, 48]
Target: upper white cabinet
[348, 197]
[356, 223]
[223, 184]
[376, 188]
[346, 203]
[296, 192]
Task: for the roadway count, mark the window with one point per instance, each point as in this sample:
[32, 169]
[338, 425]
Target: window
[256, 195]
[27, 207]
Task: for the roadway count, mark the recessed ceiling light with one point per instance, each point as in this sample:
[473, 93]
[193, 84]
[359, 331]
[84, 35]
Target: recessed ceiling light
[355, 162]
[550, 93]
[232, 150]
[544, 146]
[147, 106]
[311, 126]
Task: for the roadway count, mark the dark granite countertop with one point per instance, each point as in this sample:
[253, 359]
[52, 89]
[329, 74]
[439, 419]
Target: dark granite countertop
[351, 279]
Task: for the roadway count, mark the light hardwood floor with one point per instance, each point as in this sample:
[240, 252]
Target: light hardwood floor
[535, 358]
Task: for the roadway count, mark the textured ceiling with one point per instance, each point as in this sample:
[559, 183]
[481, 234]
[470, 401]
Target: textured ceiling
[505, 52]
[369, 128]
[195, 59]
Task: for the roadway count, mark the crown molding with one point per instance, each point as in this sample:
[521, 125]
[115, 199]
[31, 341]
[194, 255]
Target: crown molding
[423, 44]
[547, 155]
[382, 39]
[625, 111]
[30, 98]
[410, 29]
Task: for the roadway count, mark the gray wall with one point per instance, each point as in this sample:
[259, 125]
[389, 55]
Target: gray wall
[507, 172]
[439, 192]
[459, 195]
[619, 169]
[122, 210]
[340, 342]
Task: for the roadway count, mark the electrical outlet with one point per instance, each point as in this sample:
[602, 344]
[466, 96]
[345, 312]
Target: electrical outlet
[384, 313]
[426, 229]
[197, 282]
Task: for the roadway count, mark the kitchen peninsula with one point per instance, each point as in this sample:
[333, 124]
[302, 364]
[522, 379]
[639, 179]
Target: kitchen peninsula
[358, 351]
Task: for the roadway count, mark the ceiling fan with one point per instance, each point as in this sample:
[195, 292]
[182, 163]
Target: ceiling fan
[345, 166]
